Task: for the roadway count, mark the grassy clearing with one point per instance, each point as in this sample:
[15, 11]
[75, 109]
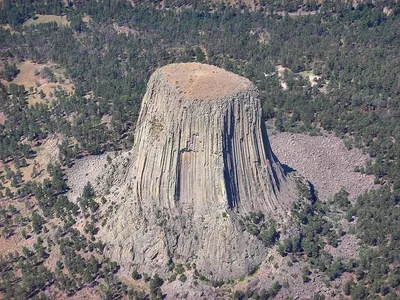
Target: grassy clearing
[3, 117]
[46, 153]
[60, 20]
[86, 19]
[310, 76]
[7, 27]
[35, 81]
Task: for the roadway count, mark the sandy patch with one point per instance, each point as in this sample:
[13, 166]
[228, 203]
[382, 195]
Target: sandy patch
[86, 19]
[264, 37]
[310, 76]
[7, 27]
[60, 20]
[123, 29]
[280, 70]
[107, 119]
[347, 249]
[313, 79]
[297, 13]
[16, 241]
[46, 153]
[324, 161]
[3, 118]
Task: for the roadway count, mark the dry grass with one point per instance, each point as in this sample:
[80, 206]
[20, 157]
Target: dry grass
[16, 241]
[314, 80]
[7, 27]
[124, 29]
[86, 19]
[60, 20]
[30, 77]
[26, 75]
[3, 117]
[280, 70]
[46, 153]
[310, 76]
[264, 37]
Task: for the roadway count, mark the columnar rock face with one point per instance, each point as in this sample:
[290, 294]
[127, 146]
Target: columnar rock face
[201, 162]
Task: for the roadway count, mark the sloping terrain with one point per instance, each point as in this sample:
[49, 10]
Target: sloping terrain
[324, 161]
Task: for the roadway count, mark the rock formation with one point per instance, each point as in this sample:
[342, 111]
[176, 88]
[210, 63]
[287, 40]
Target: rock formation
[201, 162]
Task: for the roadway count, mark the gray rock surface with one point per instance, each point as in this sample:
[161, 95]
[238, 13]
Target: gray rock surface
[324, 161]
[201, 161]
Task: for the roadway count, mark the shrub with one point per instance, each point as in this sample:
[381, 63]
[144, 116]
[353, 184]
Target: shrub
[136, 275]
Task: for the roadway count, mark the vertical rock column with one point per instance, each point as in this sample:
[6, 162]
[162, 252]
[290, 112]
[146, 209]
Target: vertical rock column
[202, 162]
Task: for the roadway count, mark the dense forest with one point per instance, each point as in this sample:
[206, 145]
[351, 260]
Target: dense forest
[353, 49]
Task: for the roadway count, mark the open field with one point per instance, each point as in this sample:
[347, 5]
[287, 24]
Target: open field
[310, 76]
[297, 13]
[15, 242]
[46, 153]
[3, 117]
[7, 27]
[86, 19]
[60, 20]
[280, 70]
[33, 78]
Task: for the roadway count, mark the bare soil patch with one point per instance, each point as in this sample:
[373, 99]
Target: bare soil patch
[124, 29]
[324, 161]
[7, 27]
[46, 153]
[16, 241]
[37, 166]
[310, 76]
[348, 247]
[297, 13]
[280, 70]
[3, 117]
[86, 19]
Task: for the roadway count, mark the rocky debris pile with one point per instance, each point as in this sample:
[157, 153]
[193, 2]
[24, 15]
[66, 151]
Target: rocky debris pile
[324, 161]
[201, 163]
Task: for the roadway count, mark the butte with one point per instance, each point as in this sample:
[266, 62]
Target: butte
[201, 163]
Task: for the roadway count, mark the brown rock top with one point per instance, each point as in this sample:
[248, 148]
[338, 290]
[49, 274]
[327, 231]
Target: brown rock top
[203, 82]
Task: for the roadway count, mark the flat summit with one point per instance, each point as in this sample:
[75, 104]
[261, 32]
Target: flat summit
[203, 82]
[198, 170]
